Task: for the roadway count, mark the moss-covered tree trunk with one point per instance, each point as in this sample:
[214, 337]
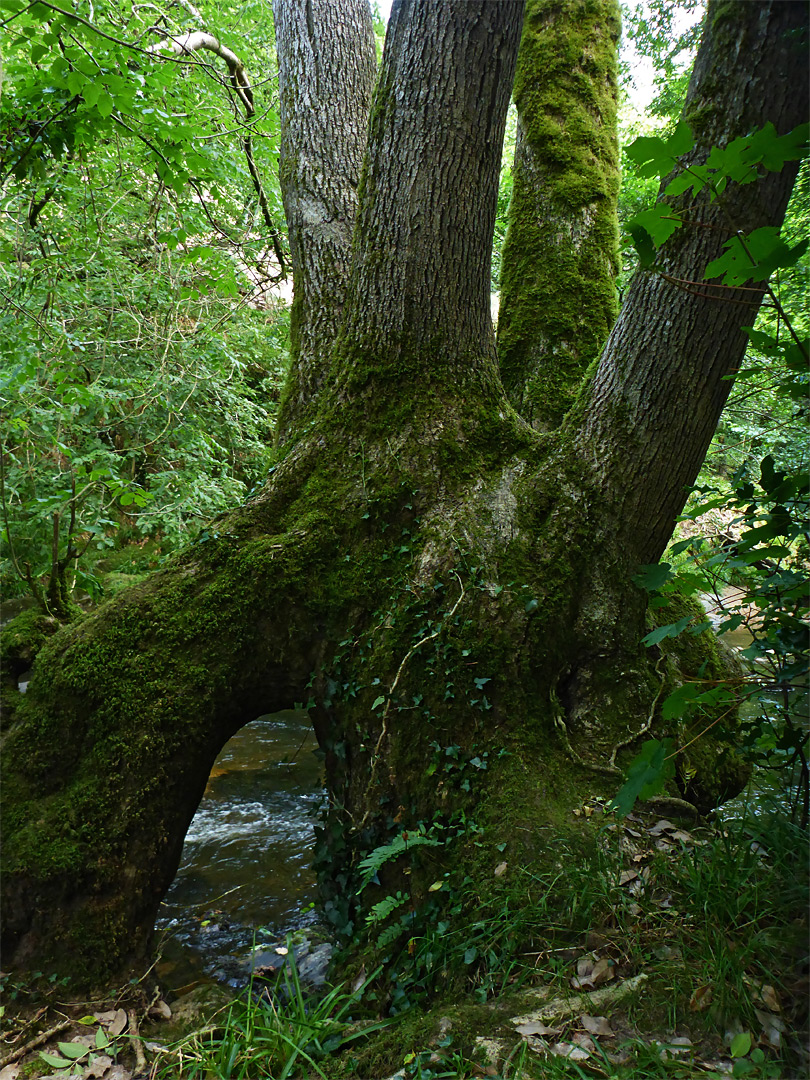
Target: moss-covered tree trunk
[560, 257]
[449, 584]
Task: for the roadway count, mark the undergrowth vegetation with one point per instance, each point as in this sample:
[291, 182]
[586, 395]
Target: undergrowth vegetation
[142, 348]
[701, 924]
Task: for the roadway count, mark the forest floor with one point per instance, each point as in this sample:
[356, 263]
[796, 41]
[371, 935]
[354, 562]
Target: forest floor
[682, 951]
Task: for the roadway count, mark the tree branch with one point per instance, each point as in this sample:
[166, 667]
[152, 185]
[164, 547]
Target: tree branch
[187, 44]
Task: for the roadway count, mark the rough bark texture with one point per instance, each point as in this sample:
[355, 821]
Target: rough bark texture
[644, 425]
[327, 69]
[560, 259]
[422, 558]
[427, 208]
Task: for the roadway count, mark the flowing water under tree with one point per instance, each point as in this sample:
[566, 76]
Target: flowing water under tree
[246, 869]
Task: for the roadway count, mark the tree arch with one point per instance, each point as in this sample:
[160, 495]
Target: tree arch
[430, 565]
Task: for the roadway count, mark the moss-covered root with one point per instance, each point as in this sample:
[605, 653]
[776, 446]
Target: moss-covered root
[109, 751]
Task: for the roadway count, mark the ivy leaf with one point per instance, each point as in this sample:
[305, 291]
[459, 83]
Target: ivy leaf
[378, 701]
[647, 774]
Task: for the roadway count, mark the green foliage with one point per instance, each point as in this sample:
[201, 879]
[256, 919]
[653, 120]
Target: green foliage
[401, 843]
[647, 775]
[743, 161]
[709, 910]
[275, 1030]
[504, 196]
[766, 507]
[138, 371]
[665, 32]
[74, 1058]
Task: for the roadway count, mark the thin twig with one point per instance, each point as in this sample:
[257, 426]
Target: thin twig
[423, 641]
[141, 1064]
[32, 1044]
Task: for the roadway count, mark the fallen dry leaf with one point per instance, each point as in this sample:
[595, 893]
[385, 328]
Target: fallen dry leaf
[603, 972]
[619, 1057]
[585, 966]
[569, 1050]
[675, 1047]
[159, 1011]
[773, 1028]
[597, 1025]
[97, 1068]
[10, 1072]
[585, 1041]
[627, 875]
[701, 999]
[769, 998]
[85, 1040]
[683, 835]
[536, 1027]
[500, 869]
[662, 826]
[120, 1022]
[593, 974]
[667, 952]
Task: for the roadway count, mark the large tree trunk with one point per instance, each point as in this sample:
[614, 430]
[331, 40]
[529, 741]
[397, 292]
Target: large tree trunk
[445, 577]
[642, 428]
[326, 72]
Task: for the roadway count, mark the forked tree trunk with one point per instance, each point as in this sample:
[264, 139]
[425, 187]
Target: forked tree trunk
[440, 575]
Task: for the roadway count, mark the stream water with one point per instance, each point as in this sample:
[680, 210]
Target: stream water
[245, 872]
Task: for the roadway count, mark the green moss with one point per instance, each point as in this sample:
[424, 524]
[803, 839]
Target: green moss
[560, 257]
[23, 637]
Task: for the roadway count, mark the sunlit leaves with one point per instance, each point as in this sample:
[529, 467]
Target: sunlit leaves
[655, 156]
[747, 258]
